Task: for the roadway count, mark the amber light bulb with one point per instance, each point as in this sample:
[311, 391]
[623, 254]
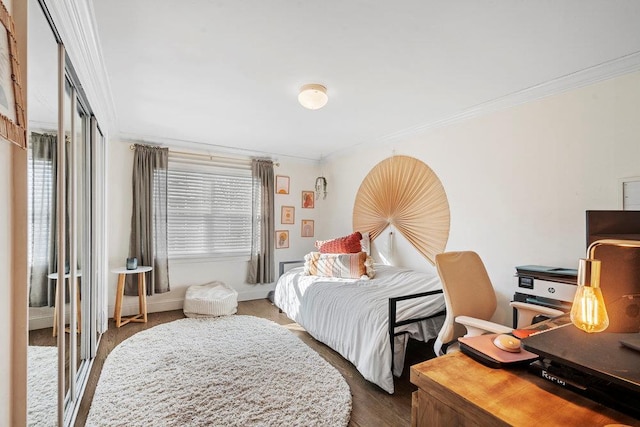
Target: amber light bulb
[588, 311]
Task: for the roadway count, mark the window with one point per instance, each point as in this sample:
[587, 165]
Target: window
[41, 208]
[209, 210]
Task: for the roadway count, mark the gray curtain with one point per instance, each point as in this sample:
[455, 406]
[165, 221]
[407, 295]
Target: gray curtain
[261, 267]
[42, 217]
[148, 240]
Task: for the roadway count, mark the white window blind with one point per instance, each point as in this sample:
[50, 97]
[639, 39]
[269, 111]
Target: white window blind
[209, 211]
[41, 208]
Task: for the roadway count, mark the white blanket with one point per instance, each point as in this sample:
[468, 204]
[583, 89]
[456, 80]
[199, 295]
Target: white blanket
[352, 315]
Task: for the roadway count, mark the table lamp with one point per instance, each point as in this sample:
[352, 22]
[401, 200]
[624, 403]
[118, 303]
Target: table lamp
[588, 311]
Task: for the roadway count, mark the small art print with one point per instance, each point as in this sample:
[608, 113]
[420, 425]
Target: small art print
[282, 184]
[307, 228]
[282, 239]
[287, 215]
[308, 199]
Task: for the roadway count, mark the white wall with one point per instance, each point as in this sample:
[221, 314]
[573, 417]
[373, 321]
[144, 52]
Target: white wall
[518, 180]
[302, 178]
[182, 274]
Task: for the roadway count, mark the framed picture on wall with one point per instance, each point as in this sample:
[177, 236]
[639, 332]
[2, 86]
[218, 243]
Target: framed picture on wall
[307, 228]
[308, 199]
[282, 239]
[287, 215]
[282, 184]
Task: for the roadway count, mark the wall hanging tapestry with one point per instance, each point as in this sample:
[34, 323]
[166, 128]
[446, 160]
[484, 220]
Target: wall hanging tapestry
[404, 192]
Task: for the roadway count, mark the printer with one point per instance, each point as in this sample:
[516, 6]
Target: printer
[552, 287]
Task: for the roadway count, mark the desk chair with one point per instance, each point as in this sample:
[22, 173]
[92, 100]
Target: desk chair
[471, 301]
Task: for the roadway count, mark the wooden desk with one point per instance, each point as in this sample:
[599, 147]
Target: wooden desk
[455, 390]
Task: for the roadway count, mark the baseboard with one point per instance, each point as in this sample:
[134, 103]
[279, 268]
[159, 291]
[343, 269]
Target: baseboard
[44, 319]
[253, 295]
[152, 307]
[40, 322]
[178, 304]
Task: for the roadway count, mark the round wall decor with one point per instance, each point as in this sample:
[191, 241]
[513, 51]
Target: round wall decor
[404, 192]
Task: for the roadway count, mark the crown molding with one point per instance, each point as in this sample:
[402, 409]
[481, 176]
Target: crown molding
[592, 75]
[75, 23]
[605, 71]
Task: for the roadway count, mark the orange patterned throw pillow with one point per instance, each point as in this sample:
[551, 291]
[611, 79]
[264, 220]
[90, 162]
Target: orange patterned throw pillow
[342, 245]
[346, 266]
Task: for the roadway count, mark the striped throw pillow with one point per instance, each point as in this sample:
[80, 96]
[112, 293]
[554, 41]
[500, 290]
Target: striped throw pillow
[346, 266]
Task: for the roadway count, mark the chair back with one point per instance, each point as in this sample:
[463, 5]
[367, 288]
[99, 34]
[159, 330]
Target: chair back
[467, 291]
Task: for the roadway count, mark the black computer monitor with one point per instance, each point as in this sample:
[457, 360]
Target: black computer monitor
[620, 274]
[612, 225]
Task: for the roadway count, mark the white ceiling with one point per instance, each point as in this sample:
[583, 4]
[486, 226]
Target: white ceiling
[227, 73]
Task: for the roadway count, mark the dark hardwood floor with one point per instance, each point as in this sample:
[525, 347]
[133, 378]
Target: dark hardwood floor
[372, 406]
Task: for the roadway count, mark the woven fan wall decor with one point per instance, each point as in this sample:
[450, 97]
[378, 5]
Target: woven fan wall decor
[404, 192]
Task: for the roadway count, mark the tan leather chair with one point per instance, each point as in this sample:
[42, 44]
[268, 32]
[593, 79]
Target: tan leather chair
[471, 300]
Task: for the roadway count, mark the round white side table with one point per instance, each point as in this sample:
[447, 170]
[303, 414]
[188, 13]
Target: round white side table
[141, 317]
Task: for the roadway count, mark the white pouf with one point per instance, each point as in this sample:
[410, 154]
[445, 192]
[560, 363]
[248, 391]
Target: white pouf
[210, 299]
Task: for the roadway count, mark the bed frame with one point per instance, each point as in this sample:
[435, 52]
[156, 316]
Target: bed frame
[393, 323]
[393, 303]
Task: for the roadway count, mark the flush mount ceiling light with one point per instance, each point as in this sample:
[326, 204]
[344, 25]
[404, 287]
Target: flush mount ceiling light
[313, 96]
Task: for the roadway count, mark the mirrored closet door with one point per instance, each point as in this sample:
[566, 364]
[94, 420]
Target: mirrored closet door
[66, 154]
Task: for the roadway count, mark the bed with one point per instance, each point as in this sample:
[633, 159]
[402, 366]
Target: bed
[352, 316]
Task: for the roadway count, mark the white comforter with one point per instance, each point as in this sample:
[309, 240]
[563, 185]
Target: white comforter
[351, 315]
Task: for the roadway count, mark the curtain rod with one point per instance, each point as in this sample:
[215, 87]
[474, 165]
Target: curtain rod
[207, 156]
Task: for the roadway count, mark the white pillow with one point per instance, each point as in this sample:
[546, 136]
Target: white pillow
[365, 242]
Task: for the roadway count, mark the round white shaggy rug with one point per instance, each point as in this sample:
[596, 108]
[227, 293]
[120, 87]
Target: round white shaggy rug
[42, 386]
[225, 371]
